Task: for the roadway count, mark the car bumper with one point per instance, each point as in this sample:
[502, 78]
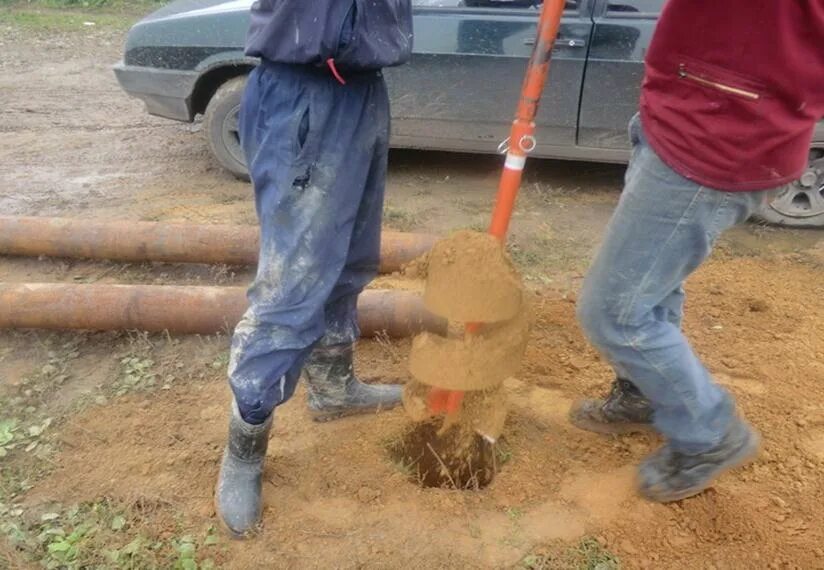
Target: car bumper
[166, 92]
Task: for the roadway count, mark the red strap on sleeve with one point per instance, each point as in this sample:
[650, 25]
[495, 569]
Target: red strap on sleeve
[331, 63]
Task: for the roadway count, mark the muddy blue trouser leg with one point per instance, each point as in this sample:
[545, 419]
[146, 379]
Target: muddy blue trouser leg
[317, 154]
[631, 305]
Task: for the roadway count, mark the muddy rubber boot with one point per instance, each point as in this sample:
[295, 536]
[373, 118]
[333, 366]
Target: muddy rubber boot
[668, 475]
[335, 391]
[624, 410]
[238, 493]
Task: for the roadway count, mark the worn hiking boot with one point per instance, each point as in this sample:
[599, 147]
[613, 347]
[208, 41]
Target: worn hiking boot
[668, 475]
[335, 391]
[624, 410]
[238, 493]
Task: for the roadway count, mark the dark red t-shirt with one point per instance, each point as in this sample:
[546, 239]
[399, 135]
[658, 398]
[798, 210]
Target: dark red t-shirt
[733, 90]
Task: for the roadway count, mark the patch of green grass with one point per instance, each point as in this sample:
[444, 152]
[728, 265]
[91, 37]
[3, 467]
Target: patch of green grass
[392, 445]
[28, 441]
[542, 257]
[153, 362]
[142, 374]
[103, 534]
[399, 219]
[404, 468]
[482, 226]
[15, 435]
[90, 5]
[136, 375]
[525, 257]
[221, 361]
[503, 452]
[595, 557]
[55, 21]
[588, 554]
[27, 446]
[48, 378]
[74, 15]
[514, 513]
[144, 533]
[24, 425]
[15, 479]
[472, 206]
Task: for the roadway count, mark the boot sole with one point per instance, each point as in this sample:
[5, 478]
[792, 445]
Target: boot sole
[607, 428]
[227, 530]
[323, 417]
[222, 524]
[744, 456]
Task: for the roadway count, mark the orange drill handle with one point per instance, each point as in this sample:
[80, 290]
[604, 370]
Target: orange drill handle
[521, 143]
[522, 134]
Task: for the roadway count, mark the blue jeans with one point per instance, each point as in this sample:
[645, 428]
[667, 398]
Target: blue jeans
[633, 297]
[317, 154]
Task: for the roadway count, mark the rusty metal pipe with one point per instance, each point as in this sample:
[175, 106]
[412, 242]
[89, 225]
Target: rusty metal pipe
[175, 243]
[179, 309]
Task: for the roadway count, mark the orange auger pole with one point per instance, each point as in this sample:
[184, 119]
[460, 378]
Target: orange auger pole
[522, 135]
[520, 143]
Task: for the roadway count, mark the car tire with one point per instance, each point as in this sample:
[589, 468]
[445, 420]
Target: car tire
[800, 204]
[221, 124]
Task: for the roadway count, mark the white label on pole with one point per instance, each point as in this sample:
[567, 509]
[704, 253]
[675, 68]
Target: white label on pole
[514, 162]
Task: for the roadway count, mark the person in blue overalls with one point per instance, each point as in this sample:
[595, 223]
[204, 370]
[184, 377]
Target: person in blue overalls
[314, 125]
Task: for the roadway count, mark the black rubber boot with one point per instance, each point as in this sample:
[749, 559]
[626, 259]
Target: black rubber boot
[335, 391]
[624, 410]
[238, 494]
[668, 475]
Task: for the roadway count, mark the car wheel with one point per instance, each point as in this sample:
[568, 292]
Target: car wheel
[221, 124]
[800, 204]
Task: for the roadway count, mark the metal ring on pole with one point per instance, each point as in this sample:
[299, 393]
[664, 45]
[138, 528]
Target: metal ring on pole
[528, 143]
[503, 147]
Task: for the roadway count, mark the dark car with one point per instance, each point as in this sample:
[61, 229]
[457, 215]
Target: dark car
[459, 90]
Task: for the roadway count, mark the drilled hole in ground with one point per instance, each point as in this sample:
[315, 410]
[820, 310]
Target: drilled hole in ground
[452, 460]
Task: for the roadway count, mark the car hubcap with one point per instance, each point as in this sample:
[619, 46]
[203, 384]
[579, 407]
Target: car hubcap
[231, 135]
[804, 198]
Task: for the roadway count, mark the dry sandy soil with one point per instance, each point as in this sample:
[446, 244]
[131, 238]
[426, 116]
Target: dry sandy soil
[139, 421]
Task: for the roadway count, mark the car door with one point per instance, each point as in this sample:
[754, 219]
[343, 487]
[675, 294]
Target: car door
[622, 33]
[460, 89]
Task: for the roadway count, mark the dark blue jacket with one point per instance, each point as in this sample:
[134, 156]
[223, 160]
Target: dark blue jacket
[356, 34]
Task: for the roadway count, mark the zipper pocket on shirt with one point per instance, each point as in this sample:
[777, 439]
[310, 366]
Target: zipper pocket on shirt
[684, 74]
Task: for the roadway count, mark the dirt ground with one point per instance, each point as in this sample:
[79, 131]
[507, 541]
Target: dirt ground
[129, 427]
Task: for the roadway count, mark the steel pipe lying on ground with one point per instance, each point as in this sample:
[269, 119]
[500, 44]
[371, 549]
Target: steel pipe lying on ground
[182, 309]
[175, 243]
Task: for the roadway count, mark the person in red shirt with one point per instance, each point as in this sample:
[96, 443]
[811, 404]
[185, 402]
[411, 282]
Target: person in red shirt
[731, 96]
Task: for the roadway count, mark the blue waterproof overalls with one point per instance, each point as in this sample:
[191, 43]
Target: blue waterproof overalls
[317, 155]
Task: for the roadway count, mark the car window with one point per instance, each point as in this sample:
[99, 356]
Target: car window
[503, 4]
[634, 8]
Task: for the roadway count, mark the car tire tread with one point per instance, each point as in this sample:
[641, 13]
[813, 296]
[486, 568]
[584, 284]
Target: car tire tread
[225, 99]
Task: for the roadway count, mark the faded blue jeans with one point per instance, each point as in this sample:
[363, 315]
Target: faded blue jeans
[632, 301]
